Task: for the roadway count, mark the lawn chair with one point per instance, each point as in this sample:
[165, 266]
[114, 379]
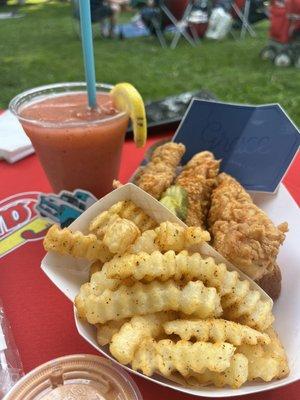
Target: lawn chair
[172, 15]
[179, 13]
[241, 10]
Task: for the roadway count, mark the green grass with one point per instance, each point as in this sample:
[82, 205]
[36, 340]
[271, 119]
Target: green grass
[43, 48]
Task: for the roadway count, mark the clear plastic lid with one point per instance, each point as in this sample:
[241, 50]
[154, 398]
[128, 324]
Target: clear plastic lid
[76, 377]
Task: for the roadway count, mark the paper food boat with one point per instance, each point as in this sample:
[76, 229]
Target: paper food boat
[68, 274]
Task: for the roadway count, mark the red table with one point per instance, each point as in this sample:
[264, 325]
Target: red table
[40, 315]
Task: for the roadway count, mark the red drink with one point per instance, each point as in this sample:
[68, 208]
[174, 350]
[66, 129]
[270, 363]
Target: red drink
[78, 147]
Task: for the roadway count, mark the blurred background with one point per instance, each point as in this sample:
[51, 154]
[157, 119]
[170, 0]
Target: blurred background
[134, 41]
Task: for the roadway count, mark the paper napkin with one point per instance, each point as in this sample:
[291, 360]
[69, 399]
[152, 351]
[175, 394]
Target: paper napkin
[14, 144]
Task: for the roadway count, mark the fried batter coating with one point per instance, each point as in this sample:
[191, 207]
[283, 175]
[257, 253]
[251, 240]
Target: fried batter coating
[241, 231]
[198, 178]
[160, 172]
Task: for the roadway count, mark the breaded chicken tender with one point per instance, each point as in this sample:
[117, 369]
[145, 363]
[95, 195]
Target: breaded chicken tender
[160, 172]
[198, 178]
[242, 232]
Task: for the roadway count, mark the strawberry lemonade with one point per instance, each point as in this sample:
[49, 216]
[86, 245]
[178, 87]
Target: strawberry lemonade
[77, 147]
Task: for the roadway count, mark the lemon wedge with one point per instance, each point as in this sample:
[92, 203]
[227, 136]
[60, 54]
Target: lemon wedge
[128, 99]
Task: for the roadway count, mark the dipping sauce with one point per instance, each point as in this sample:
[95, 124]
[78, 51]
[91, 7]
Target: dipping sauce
[76, 377]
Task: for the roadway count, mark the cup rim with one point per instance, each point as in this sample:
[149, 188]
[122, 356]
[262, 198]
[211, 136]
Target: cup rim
[71, 362]
[14, 104]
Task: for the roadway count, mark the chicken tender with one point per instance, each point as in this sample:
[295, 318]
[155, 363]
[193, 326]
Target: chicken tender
[160, 172]
[241, 231]
[198, 178]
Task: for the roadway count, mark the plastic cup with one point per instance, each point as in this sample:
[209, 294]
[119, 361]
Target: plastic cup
[78, 377]
[77, 147]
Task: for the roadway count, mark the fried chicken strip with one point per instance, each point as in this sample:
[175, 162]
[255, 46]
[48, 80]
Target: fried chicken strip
[160, 172]
[242, 232]
[198, 178]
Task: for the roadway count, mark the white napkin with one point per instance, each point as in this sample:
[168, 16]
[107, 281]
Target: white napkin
[14, 144]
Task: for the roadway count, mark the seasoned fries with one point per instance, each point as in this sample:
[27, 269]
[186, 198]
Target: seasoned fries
[125, 342]
[166, 357]
[64, 242]
[234, 376]
[105, 332]
[174, 237]
[215, 330]
[164, 308]
[239, 300]
[120, 235]
[163, 266]
[169, 236]
[95, 267]
[267, 361]
[122, 209]
[139, 299]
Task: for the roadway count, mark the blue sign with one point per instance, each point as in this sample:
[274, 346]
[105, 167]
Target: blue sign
[256, 143]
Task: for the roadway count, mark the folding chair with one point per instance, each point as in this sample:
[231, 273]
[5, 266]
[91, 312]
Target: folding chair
[173, 14]
[243, 15]
[158, 31]
[180, 21]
